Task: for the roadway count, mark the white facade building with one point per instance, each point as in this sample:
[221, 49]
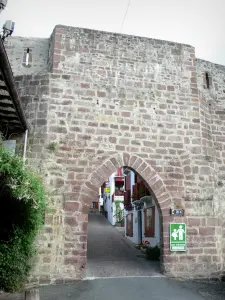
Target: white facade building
[138, 217]
[113, 197]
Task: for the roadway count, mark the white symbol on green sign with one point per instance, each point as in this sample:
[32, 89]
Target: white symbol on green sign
[178, 237]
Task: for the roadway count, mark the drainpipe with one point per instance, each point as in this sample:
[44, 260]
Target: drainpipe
[25, 146]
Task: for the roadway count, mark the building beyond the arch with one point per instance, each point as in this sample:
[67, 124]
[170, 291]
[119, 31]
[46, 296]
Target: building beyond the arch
[103, 99]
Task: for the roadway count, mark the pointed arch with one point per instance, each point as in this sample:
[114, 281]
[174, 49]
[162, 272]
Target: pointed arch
[137, 164]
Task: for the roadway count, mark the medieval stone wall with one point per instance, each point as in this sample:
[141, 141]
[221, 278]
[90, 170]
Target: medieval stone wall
[113, 100]
[16, 48]
[214, 99]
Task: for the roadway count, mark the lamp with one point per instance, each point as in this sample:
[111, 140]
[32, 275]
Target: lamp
[8, 28]
[3, 4]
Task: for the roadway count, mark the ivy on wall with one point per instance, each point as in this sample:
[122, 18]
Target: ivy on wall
[22, 207]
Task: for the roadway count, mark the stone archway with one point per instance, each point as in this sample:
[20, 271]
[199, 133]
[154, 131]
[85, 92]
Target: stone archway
[90, 190]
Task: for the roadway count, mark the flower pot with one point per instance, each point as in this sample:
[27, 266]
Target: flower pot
[153, 253]
[143, 250]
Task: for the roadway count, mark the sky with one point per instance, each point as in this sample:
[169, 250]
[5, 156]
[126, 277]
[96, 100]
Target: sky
[199, 23]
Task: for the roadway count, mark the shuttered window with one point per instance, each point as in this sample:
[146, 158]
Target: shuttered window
[129, 225]
[149, 215]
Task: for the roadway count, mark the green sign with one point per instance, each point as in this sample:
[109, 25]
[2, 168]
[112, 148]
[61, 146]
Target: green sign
[178, 237]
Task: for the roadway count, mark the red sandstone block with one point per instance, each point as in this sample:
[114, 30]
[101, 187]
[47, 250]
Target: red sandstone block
[48, 219]
[165, 212]
[59, 182]
[101, 94]
[157, 185]
[120, 148]
[161, 87]
[85, 85]
[70, 221]
[70, 260]
[206, 230]
[124, 141]
[125, 114]
[140, 169]
[170, 88]
[194, 221]
[170, 259]
[212, 221]
[47, 259]
[195, 250]
[84, 226]
[69, 245]
[82, 218]
[71, 206]
[188, 258]
[210, 251]
[113, 140]
[204, 258]
[83, 238]
[160, 192]
[93, 187]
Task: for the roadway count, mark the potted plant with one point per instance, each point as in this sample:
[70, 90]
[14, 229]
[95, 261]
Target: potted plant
[144, 246]
[153, 253]
[142, 192]
[134, 197]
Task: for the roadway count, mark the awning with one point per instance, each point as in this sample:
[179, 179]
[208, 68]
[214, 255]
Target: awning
[12, 118]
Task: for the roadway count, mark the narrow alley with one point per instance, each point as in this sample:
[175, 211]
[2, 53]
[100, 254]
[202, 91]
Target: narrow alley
[109, 254]
[114, 271]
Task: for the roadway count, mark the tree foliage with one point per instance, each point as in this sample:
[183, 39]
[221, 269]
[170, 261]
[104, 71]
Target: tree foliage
[22, 206]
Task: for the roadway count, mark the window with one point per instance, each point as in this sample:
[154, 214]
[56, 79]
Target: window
[149, 216]
[27, 57]
[207, 79]
[129, 225]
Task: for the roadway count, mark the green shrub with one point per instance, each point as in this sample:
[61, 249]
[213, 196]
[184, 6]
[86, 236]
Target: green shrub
[22, 207]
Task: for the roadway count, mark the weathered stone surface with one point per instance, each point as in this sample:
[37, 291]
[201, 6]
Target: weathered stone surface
[104, 101]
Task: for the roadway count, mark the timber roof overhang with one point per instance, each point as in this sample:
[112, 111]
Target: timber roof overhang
[12, 118]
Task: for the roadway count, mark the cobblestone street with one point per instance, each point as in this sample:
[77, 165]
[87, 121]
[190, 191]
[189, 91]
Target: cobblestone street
[109, 254]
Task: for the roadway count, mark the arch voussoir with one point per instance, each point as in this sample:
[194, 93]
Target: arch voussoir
[164, 197]
[92, 187]
[152, 181]
[108, 164]
[157, 185]
[165, 204]
[142, 167]
[85, 199]
[148, 173]
[115, 162]
[126, 159]
[160, 191]
[133, 159]
[104, 171]
[97, 178]
[137, 163]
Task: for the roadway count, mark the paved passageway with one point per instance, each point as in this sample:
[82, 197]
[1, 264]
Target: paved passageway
[109, 254]
[133, 279]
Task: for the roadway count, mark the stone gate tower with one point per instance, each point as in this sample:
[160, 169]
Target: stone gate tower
[96, 101]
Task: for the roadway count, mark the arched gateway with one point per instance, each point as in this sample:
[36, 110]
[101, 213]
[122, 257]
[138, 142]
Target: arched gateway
[103, 101]
[154, 182]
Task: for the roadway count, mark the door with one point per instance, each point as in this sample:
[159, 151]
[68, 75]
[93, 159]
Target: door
[139, 226]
